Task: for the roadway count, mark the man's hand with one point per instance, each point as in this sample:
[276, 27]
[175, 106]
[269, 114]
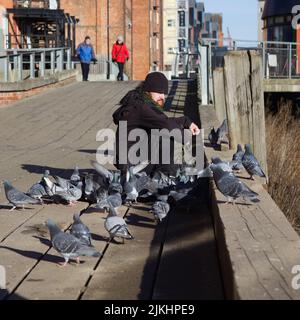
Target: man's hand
[194, 129]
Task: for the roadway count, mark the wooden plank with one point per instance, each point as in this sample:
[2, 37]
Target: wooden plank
[245, 102]
[219, 94]
[128, 271]
[48, 281]
[21, 251]
[189, 265]
[258, 247]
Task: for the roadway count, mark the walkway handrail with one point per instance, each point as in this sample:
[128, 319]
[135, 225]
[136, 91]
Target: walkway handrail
[56, 63]
[280, 59]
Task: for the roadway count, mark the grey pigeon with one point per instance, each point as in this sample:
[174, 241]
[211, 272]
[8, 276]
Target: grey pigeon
[222, 164]
[51, 187]
[75, 177]
[223, 130]
[38, 190]
[160, 209]
[236, 162]
[72, 194]
[130, 186]
[230, 186]
[63, 183]
[114, 200]
[69, 193]
[219, 134]
[90, 188]
[68, 245]
[16, 197]
[251, 164]
[106, 176]
[81, 231]
[116, 226]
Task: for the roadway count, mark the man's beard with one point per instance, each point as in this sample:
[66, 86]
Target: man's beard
[161, 102]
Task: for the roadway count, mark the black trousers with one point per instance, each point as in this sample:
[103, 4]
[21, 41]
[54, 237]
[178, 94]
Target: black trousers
[120, 76]
[85, 68]
[168, 169]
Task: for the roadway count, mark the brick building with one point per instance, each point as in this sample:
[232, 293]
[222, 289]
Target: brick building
[138, 21]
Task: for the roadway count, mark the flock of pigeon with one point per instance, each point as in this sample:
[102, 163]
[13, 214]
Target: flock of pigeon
[108, 190]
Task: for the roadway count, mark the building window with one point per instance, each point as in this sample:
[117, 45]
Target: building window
[171, 23]
[181, 18]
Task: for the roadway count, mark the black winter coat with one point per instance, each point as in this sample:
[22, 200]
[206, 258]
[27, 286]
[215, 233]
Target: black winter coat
[143, 114]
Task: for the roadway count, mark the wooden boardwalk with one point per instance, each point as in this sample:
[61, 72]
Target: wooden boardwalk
[258, 248]
[57, 130]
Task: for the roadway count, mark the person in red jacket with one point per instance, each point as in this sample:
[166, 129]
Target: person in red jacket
[120, 55]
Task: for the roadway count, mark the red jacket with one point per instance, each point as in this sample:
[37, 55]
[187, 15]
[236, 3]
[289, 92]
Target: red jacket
[120, 52]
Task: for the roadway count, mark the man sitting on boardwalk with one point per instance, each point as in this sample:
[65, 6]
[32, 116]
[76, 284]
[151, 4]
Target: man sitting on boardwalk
[142, 109]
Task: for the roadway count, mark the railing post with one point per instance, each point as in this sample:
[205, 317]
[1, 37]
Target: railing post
[52, 61]
[32, 66]
[290, 60]
[69, 64]
[6, 69]
[61, 60]
[20, 67]
[15, 52]
[264, 58]
[204, 51]
[42, 64]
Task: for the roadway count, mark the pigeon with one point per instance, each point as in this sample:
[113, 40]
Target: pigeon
[16, 197]
[116, 226]
[72, 194]
[160, 209]
[222, 164]
[75, 177]
[90, 188]
[192, 171]
[230, 186]
[64, 190]
[251, 164]
[114, 200]
[213, 137]
[68, 245]
[219, 134]
[145, 183]
[223, 130]
[236, 162]
[81, 231]
[130, 186]
[105, 176]
[51, 187]
[38, 190]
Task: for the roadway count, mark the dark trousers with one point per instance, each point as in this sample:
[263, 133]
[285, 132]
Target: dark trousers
[85, 68]
[168, 169]
[120, 76]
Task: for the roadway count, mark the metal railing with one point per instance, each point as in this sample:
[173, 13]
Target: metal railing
[22, 64]
[185, 64]
[102, 67]
[280, 59]
[35, 62]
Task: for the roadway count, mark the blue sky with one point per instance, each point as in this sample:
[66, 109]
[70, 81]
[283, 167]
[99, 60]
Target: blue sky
[240, 16]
